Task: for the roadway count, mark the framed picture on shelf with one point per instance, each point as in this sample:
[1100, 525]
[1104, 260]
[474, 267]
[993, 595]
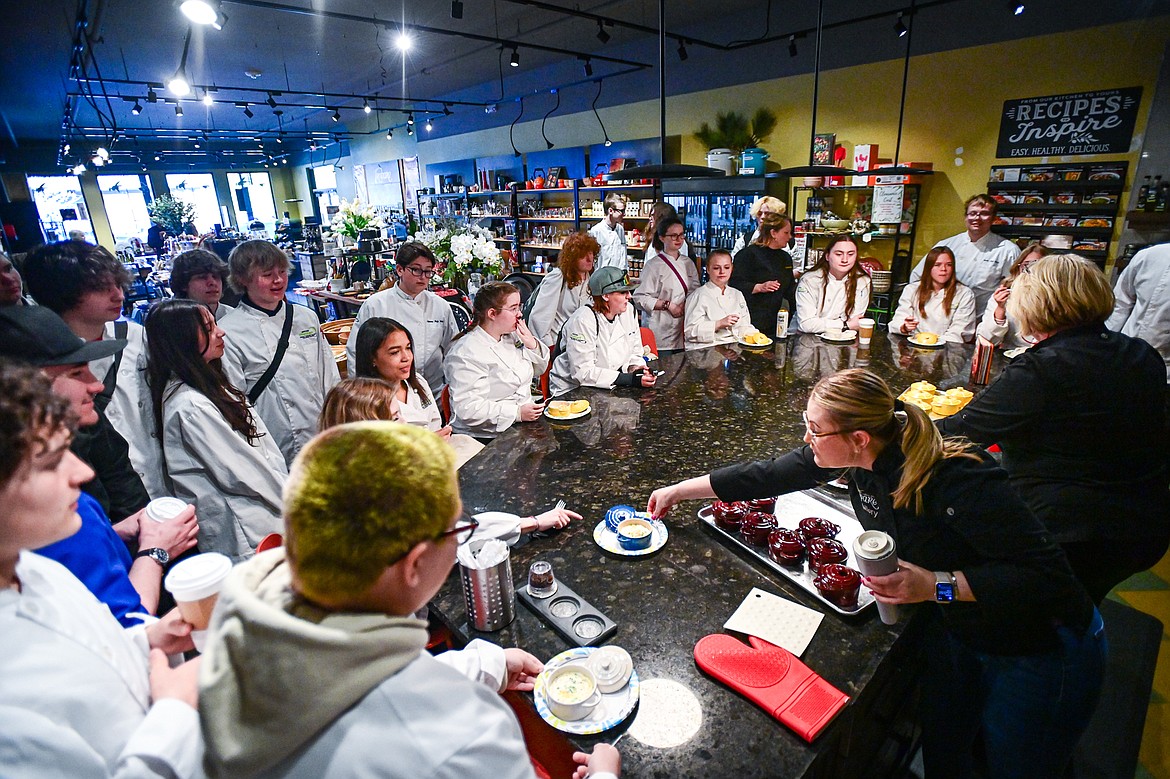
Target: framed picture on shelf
[823, 145]
[555, 173]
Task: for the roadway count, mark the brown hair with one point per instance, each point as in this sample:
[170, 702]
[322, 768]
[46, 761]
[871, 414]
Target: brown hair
[659, 211]
[1060, 292]
[573, 250]
[194, 263]
[926, 284]
[1033, 248]
[982, 199]
[490, 296]
[29, 415]
[770, 224]
[615, 200]
[357, 400]
[252, 257]
[855, 273]
[58, 274]
[857, 399]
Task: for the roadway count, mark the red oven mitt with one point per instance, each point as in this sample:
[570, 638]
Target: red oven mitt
[773, 679]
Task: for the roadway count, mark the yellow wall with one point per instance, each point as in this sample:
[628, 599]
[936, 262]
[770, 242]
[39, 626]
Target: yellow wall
[954, 101]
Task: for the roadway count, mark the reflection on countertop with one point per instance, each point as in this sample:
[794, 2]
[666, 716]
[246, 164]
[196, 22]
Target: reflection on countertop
[710, 407]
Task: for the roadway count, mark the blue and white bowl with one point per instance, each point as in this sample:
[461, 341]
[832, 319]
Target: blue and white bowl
[634, 534]
[617, 515]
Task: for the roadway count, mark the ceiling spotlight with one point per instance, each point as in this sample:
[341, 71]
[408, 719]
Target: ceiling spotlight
[515, 59]
[151, 97]
[196, 144]
[79, 169]
[410, 119]
[179, 85]
[271, 101]
[98, 161]
[456, 9]
[1017, 7]
[203, 12]
[178, 109]
[446, 110]
[137, 108]
[102, 152]
[208, 100]
[791, 45]
[588, 67]
[409, 130]
[366, 105]
[403, 42]
[390, 134]
[429, 126]
[682, 51]
[157, 157]
[336, 115]
[900, 26]
[248, 111]
[602, 35]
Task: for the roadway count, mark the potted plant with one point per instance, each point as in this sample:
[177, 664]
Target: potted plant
[735, 132]
[461, 251]
[170, 213]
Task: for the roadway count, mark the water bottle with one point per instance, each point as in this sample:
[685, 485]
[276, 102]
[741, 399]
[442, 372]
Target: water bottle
[782, 323]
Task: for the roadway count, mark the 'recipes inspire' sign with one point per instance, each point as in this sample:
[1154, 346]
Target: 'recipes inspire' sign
[1099, 122]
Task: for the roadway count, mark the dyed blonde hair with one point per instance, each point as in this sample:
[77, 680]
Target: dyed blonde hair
[857, 399]
[775, 204]
[1059, 292]
[359, 399]
[358, 498]
[770, 224]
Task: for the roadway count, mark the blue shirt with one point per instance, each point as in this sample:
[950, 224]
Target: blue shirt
[96, 555]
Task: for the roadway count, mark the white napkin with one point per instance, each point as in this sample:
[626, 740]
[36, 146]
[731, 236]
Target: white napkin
[776, 620]
[486, 555]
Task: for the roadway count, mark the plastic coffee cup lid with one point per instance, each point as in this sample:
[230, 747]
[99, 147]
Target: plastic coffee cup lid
[163, 509]
[198, 577]
[873, 544]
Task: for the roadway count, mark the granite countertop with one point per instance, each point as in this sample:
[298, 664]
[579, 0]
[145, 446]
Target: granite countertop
[710, 408]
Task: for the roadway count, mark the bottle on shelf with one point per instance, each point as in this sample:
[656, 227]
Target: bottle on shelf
[1143, 193]
[1152, 195]
[1163, 194]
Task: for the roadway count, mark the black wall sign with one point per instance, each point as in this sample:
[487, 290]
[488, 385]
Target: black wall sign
[1078, 123]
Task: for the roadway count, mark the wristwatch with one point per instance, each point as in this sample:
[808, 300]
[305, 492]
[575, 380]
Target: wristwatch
[946, 587]
[160, 556]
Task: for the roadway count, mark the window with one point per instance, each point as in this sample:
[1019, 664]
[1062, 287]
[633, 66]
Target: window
[253, 201]
[325, 191]
[198, 189]
[125, 198]
[61, 206]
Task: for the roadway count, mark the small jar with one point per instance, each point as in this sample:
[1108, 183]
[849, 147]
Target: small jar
[756, 528]
[823, 551]
[786, 548]
[729, 516]
[815, 527]
[766, 505]
[839, 585]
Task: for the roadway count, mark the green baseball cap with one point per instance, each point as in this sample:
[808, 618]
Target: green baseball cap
[610, 279]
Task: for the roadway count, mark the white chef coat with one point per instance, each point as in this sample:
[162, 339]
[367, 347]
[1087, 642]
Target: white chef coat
[957, 327]
[978, 264]
[555, 303]
[706, 306]
[414, 412]
[596, 350]
[291, 404]
[1142, 309]
[614, 248]
[490, 380]
[812, 316]
[428, 318]
[222, 310]
[684, 250]
[129, 410]
[235, 486]
[659, 282]
[740, 242]
[1007, 334]
[74, 688]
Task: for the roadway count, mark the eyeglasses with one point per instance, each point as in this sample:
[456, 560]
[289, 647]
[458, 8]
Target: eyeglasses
[419, 273]
[674, 236]
[462, 531]
[811, 434]
[979, 214]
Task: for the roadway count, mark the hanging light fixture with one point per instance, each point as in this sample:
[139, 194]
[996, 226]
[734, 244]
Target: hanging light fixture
[602, 35]
[390, 134]
[409, 130]
[446, 110]
[403, 42]
[898, 169]
[515, 60]
[410, 119]
[178, 109]
[366, 106]
[248, 111]
[151, 95]
[271, 101]
[179, 85]
[336, 115]
[597, 97]
[549, 144]
[900, 26]
[429, 126]
[208, 100]
[588, 66]
[206, 12]
[136, 109]
[456, 9]
[682, 51]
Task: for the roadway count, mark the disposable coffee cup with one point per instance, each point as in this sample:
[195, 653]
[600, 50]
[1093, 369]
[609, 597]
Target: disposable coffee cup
[876, 555]
[865, 331]
[195, 584]
[165, 509]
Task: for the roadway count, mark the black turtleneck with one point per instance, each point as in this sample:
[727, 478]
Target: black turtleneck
[270, 311]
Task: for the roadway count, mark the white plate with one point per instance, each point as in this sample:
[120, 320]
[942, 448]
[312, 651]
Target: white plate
[914, 340]
[608, 540]
[756, 346]
[843, 340]
[570, 417]
[612, 711]
[1012, 354]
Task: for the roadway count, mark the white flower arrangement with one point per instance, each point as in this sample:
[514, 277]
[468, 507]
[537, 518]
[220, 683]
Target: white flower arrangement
[461, 249]
[354, 217]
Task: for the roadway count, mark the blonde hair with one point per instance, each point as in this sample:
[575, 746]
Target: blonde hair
[360, 496]
[774, 204]
[1018, 266]
[252, 257]
[357, 399]
[857, 399]
[770, 224]
[1060, 292]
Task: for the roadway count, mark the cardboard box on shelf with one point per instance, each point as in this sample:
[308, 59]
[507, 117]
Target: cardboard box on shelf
[865, 156]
